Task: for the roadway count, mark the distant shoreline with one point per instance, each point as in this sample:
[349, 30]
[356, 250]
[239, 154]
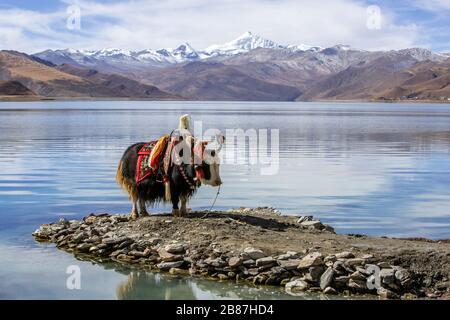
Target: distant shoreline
[38, 98]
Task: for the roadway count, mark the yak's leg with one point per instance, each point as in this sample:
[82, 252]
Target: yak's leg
[175, 210]
[134, 213]
[143, 208]
[183, 209]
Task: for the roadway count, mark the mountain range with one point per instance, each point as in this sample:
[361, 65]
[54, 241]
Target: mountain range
[248, 68]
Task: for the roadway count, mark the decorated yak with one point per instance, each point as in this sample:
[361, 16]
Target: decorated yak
[168, 170]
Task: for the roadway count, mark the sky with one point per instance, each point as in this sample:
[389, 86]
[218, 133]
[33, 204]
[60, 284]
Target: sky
[32, 26]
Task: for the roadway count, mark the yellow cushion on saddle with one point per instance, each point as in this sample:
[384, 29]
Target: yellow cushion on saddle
[157, 151]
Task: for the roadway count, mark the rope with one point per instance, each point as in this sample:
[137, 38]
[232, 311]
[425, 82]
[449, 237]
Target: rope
[214, 202]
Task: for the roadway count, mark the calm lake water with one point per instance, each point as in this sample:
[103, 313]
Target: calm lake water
[378, 169]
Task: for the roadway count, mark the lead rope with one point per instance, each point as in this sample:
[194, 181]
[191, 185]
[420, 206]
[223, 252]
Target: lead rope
[214, 202]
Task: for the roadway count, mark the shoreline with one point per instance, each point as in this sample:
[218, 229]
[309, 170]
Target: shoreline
[93, 99]
[262, 247]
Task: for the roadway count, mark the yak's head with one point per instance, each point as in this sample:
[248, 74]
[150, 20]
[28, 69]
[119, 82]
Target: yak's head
[201, 159]
[207, 161]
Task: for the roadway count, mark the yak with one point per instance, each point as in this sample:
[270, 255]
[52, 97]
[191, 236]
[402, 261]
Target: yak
[184, 177]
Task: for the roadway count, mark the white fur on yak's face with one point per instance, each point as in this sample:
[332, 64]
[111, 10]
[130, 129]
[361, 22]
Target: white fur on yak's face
[214, 179]
[211, 159]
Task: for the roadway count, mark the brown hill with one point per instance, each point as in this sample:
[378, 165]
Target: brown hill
[217, 81]
[48, 81]
[14, 88]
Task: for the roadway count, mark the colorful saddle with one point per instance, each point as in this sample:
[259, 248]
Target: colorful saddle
[149, 158]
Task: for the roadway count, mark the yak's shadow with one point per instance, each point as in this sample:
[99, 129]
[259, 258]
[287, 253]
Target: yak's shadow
[264, 222]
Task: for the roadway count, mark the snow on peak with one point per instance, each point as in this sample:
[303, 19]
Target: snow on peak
[244, 43]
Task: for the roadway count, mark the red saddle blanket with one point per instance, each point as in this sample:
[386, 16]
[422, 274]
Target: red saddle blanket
[143, 166]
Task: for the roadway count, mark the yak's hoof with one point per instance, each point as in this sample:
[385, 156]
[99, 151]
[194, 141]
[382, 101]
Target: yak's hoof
[145, 214]
[134, 216]
[183, 213]
[176, 212]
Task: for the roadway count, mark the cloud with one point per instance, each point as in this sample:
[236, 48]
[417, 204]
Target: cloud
[156, 24]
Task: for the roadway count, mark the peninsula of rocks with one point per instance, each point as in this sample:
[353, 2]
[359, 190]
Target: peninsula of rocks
[262, 247]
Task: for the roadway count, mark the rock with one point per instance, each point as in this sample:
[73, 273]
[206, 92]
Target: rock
[386, 293]
[265, 261]
[177, 271]
[254, 253]
[253, 272]
[312, 259]
[113, 241]
[384, 265]
[327, 278]
[215, 262]
[169, 265]
[341, 282]
[169, 257]
[357, 285]
[175, 248]
[316, 272]
[288, 255]
[304, 219]
[329, 290]
[345, 255]
[313, 224]
[139, 254]
[222, 276]
[354, 262]
[387, 276]
[84, 247]
[154, 241]
[358, 276]
[368, 257]
[249, 263]
[404, 277]
[235, 262]
[296, 286]
[330, 258]
[79, 237]
[290, 264]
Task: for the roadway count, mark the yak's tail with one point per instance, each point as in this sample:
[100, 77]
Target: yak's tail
[124, 183]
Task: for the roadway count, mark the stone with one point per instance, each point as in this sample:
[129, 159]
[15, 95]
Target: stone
[330, 258]
[139, 254]
[386, 293]
[316, 272]
[113, 241]
[290, 264]
[169, 265]
[177, 271]
[235, 262]
[330, 290]
[296, 286]
[304, 218]
[313, 224]
[222, 276]
[327, 278]
[311, 259]
[354, 262]
[357, 276]
[169, 257]
[265, 261]
[341, 282]
[253, 272]
[84, 247]
[357, 285]
[254, 253]
[384, 265]
[215, 262]
[387, 276]
[368, 257]
[345, 255]
[249, 263]
[404, 277]
[175, 248]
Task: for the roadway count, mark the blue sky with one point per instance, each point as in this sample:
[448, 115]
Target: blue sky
[32, 26]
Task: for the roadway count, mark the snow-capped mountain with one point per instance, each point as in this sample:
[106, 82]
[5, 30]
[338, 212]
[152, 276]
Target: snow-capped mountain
[245, 43]
[183, 53]
[114, 59]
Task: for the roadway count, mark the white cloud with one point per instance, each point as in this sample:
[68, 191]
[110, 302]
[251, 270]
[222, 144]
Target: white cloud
[155, 24]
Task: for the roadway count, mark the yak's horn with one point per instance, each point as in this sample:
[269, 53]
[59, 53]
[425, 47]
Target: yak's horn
[184, 122]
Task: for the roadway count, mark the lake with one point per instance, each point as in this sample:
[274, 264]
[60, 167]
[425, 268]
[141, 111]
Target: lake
[377, 169]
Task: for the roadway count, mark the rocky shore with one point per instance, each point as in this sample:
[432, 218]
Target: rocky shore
[263, 247]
